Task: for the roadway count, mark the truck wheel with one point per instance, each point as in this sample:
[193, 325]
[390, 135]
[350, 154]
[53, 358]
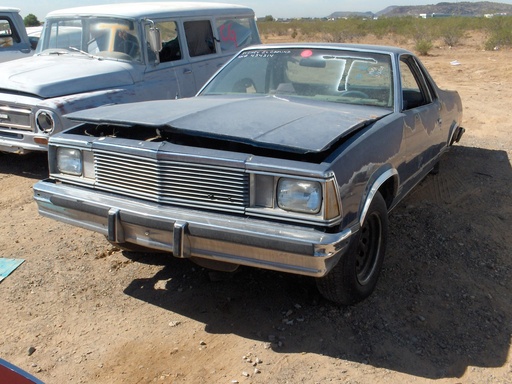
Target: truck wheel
[354, 277]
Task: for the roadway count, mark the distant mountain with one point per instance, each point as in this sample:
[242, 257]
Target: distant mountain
[464, 8]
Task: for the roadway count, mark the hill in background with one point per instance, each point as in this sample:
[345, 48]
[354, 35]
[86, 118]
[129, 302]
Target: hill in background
[464, 8]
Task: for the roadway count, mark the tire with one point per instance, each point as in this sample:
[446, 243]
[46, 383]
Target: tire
[355, 276]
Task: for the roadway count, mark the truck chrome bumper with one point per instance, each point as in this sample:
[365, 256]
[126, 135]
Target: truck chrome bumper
[22, 142]
[188, 233]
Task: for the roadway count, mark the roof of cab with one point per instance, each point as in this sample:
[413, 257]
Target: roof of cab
[9, 9]
[154, 9]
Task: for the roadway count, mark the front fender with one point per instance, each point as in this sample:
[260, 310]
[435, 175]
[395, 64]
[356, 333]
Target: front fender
[385, 177]
[64, 105]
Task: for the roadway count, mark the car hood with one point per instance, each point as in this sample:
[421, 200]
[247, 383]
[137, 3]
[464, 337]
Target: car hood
[271, 122]
[63, 74]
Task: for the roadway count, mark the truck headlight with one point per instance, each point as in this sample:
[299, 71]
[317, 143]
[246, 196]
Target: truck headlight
[69, 161]
[299, 195]
[45, 121]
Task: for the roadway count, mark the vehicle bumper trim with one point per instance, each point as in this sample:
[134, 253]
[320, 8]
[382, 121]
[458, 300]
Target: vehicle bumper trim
[25, 145]
[186, 233]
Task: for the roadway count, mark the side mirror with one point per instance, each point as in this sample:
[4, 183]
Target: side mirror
[154, 39]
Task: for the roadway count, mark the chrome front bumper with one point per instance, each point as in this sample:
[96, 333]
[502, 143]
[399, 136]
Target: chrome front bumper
[188, 233]
[22, 142]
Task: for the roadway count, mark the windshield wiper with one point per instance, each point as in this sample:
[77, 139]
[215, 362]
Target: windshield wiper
[85, 53]
[54, 51]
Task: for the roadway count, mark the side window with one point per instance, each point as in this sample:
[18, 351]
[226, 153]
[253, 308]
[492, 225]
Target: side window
[234, 33]
[7, 35]
[171, 49]
[414, 92]
[199, 37]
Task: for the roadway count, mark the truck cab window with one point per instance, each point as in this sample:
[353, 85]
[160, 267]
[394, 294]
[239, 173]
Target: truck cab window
[171, 49]
[200, 40]
[7, 37]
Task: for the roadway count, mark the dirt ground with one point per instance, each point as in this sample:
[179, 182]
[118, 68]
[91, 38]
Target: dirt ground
[80, 311]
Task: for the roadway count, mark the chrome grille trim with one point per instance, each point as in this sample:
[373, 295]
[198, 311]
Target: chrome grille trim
[173, 182]
[15, 118]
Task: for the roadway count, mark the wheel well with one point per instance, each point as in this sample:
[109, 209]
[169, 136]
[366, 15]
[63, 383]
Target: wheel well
[388, 191]
[387, 185]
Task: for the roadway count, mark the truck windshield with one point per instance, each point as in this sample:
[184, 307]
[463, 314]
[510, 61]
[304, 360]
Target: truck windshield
[108, 37]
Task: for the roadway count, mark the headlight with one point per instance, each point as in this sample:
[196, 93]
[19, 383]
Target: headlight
[299, 195]
[45, 121]
[69, 161]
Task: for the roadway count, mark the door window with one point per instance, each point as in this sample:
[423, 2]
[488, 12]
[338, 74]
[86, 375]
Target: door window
[7, 35]
[171, 49]
[414, 91]
[199, 37]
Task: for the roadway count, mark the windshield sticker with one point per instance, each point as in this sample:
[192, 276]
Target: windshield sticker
[269, 53]
[306, 53]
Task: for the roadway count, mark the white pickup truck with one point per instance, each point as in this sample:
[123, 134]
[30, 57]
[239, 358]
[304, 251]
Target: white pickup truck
[113, 54]
[14, 42]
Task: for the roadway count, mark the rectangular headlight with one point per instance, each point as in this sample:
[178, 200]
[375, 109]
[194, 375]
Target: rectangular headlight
[302, 196]
[69, 161]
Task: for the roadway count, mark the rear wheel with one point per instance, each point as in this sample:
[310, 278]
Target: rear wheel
[355, 276]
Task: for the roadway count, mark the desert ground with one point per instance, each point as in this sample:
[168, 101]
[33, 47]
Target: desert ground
[78, 310]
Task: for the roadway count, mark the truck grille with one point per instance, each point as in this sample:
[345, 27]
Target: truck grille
[173, 182]
[15, 118]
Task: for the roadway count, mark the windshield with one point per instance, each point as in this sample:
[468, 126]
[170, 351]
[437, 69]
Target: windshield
[108, 37]
[330, 75]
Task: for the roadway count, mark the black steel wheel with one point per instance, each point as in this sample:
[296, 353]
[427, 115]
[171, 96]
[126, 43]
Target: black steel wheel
[355, 276]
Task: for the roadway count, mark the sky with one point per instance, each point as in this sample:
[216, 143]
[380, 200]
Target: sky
[275, 8]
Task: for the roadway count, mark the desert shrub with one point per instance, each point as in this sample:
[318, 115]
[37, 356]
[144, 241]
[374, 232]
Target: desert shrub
[452, 30]
[402, 26]
[423, 32]
[500, 33]
[345, 30]
[275, 28]
[423, 46]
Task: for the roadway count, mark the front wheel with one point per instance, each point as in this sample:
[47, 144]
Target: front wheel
[355, 276]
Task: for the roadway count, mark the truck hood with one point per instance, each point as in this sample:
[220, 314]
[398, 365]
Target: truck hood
[292, 125]
[63, 74]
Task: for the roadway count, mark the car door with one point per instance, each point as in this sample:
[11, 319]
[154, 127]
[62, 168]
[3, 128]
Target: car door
[423, 138]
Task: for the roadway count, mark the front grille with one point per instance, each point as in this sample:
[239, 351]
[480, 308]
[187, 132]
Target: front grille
[173, 182]
[15, 118]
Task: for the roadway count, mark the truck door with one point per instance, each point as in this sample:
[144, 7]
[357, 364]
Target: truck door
[202, 50]
[13, 42]
[173, 77]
